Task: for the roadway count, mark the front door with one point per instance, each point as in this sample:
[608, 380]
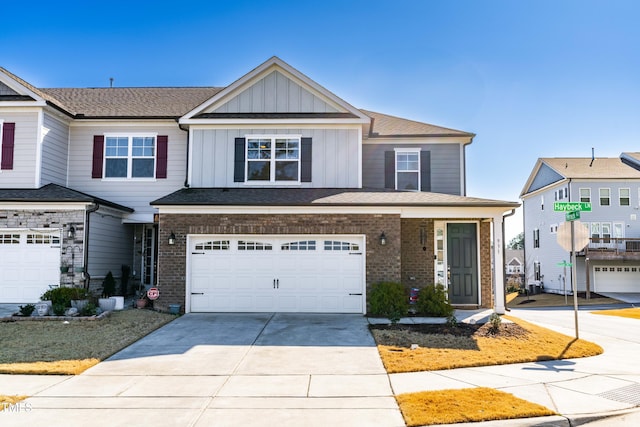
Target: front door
[462, 263]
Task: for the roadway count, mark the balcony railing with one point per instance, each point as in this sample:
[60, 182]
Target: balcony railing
[614, 245]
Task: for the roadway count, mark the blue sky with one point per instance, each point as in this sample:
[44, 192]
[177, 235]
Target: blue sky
[531, 78]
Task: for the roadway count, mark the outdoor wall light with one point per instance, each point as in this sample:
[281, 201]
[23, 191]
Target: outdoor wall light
[172, 239]
[383, 239]
[71, 233]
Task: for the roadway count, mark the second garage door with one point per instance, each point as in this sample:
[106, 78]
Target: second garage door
[616, 279]
[323, 274]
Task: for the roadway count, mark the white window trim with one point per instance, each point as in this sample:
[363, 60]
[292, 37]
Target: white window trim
[395, 165]
[273, 180]
[600, 196]
[620, 196]
[580, 193]
[130, 136]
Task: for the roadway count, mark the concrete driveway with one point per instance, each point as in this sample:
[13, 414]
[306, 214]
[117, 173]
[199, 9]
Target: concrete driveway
[229, 370]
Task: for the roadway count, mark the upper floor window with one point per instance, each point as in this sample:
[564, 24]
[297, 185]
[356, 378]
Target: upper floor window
[408, 169]
[536, 238]
[624, 194]
[585, 195]
[541, 202]
[273, 159]
[605, 197]
[129, 156]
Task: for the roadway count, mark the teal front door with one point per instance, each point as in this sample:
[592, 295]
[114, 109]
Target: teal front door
[462, 263]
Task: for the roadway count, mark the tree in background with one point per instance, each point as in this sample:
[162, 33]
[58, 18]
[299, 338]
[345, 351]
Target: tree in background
[517, 242]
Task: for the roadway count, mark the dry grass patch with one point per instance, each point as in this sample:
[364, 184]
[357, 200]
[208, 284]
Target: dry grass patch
[53, 347]
[9, 400]
[631, 313]
[474, 346]
[557, 300]
[465, 405]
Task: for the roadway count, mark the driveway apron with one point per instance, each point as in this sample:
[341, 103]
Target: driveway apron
[229, 370]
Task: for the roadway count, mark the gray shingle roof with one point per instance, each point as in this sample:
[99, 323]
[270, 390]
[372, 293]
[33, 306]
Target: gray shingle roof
[142, 102]
[385, 125]
[53, 193]
[583, 167]
[320, 197]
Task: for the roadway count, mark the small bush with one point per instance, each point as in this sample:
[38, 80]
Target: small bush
[495, 320]
[389, 299]
[108, 285]
[432, 301]
[63, 296]
[452, 320]
[89, 309]
[26, 310]
[59, 309]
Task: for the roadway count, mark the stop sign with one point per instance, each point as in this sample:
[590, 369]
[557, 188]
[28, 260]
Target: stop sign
[581, 235]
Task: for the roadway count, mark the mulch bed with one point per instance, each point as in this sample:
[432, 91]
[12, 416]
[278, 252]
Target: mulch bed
[404, 335]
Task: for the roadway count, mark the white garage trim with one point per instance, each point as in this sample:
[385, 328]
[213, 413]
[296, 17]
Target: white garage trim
[616, 278]
[29, 263]
[267, 273]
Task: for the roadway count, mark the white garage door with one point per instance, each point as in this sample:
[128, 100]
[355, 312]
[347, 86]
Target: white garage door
[29, 263]
[316, 274]
[616, 279]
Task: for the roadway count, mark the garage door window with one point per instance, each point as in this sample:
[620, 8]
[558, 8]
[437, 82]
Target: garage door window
[332, 245]
[42, 239]
[215, 245]
[254, 246]
[305, 245]
[9, 239]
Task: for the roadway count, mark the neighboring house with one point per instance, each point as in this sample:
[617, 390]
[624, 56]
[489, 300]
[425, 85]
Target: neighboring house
[514, 267]
[270, 194]
[611, 260]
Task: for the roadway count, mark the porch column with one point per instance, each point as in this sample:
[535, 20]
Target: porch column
[498, 265]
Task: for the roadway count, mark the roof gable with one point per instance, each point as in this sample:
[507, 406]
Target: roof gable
[273, 90]
[14, 89]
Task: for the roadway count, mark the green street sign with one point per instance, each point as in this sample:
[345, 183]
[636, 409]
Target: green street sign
[564, 264]
[571, 206]
[572, 216]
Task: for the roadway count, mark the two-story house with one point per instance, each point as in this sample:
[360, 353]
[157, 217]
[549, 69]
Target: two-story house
[270, 194]
[611, 260]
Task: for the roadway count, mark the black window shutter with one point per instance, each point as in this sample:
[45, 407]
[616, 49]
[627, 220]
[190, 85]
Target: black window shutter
[390, 169]
[238, 164]
[425, 171]
[305, 160]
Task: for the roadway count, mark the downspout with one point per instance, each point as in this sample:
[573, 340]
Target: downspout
[186, 169]
[89, 211]
[504, 258]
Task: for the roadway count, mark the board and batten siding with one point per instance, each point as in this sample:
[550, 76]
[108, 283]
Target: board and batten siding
[110, 244]
[275, 93]
[445, 165]
[23, 174]
[334, 156]
[135, 194]
[54, 151]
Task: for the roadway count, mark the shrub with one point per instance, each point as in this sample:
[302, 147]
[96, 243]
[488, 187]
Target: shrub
[389, 299]
[495, 320]
[59, 309]
[432, 301]
[63, 296]
[108, 285]
[89, 310]
[26, 310]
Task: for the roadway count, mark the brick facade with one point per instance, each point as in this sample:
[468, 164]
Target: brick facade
[404, 256]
